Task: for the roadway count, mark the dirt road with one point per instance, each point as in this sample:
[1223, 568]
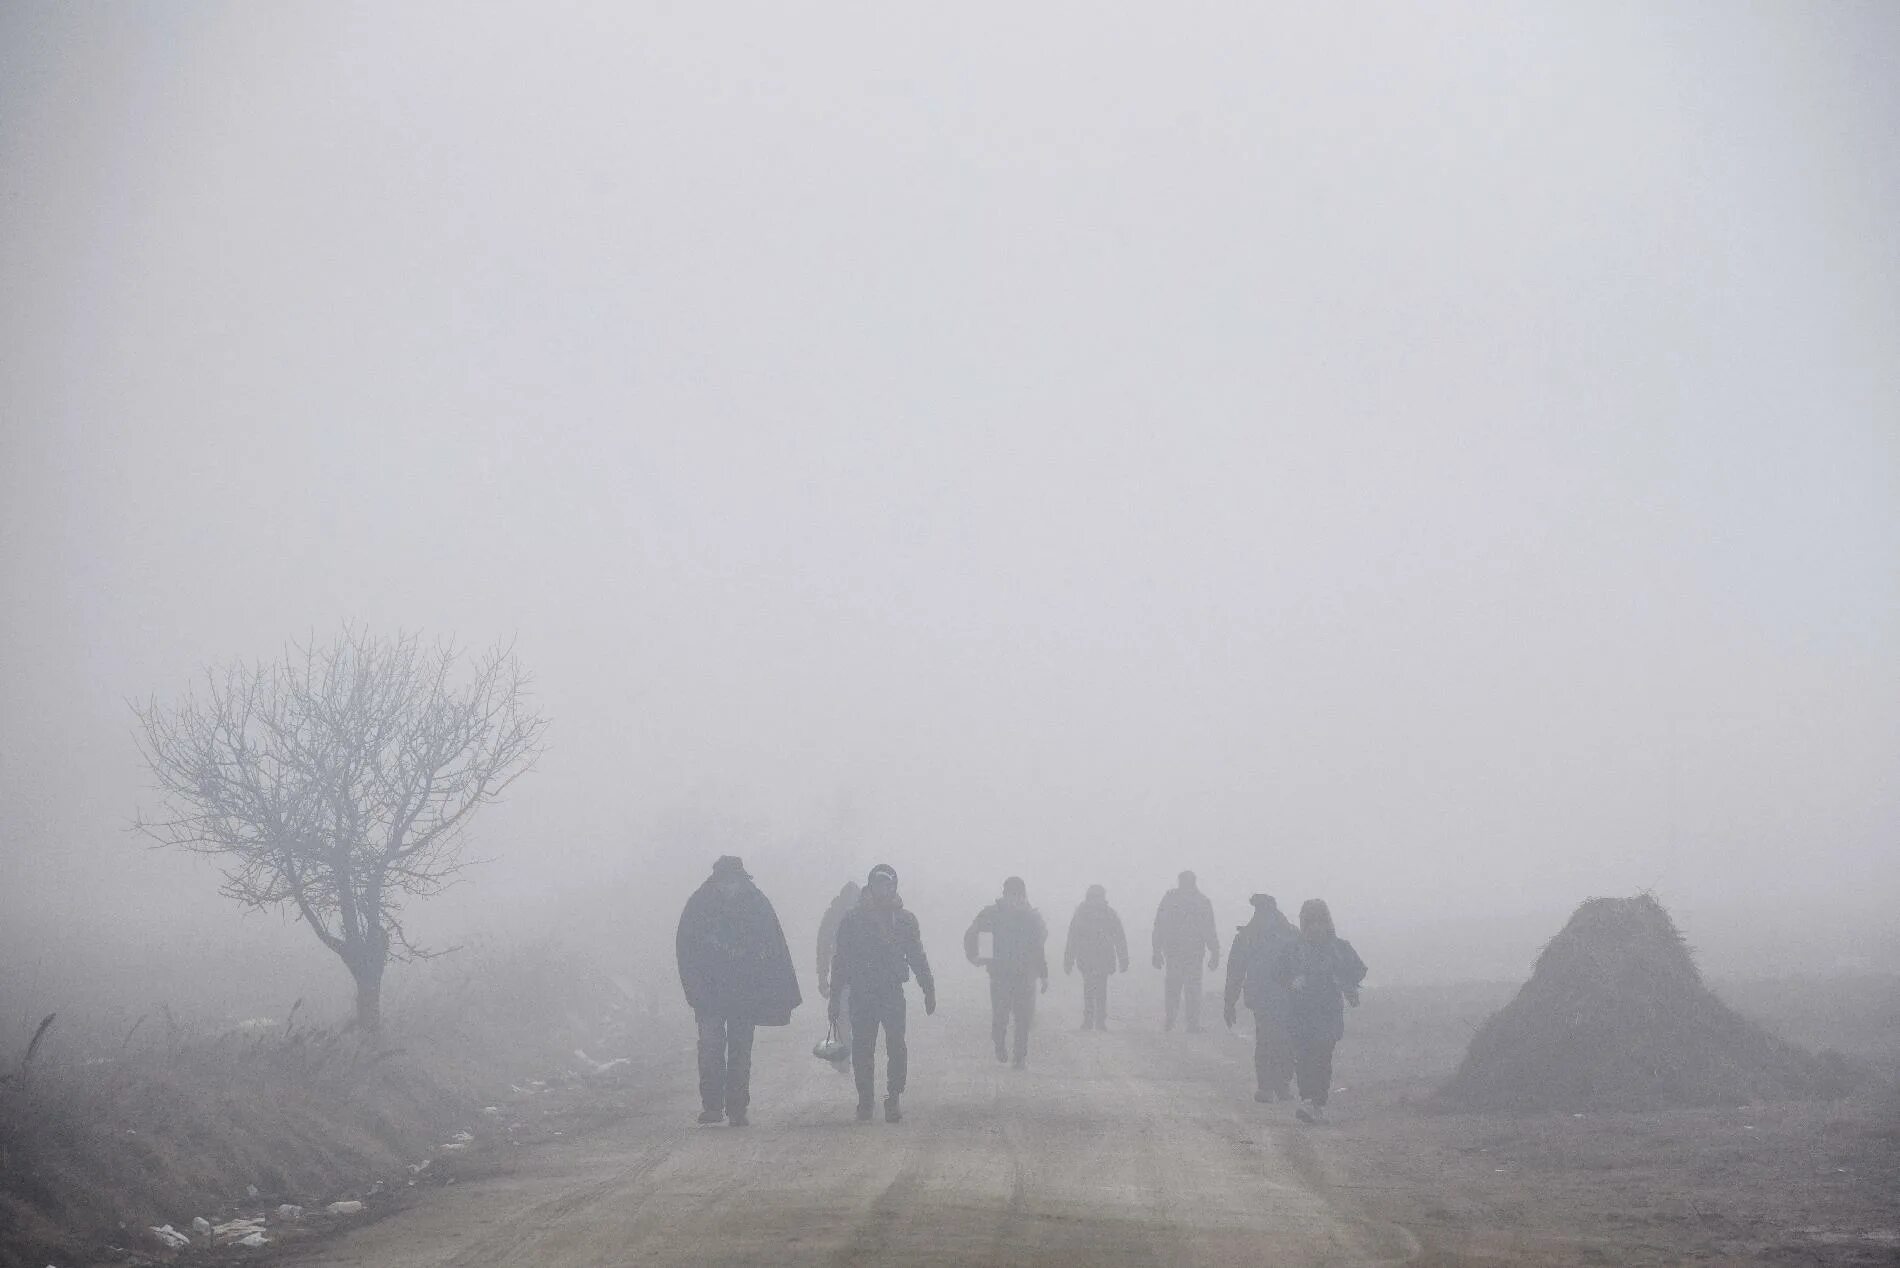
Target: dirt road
[1129, 1147]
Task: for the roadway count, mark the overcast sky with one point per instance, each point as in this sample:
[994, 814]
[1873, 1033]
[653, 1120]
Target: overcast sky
[1442, 458]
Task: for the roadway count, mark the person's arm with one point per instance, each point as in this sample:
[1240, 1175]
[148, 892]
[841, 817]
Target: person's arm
[1236, 979]
[1210, 937]
[1068, 944]
[919, 962]
[1161, 913]
[1042, 950]
[1352, 971]
[1121, 941]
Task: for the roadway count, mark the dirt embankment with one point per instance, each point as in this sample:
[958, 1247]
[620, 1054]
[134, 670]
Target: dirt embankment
[100, 1142]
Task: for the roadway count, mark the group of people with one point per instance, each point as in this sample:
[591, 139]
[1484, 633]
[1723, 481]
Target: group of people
[738, 975]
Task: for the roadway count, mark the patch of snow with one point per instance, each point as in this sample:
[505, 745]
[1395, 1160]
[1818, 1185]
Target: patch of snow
[289, 1212]
[254, 1240]
[237, 1230]
[168, 1237]
[349, 1207]
[201, 1226]
[600, 1067]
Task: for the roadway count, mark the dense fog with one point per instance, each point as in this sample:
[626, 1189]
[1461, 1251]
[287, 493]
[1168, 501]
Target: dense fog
[1445, 461]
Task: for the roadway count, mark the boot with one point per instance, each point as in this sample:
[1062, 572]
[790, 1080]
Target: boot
[712, 1116]
[737, 1119]
[864, 1111]
[892, 1113]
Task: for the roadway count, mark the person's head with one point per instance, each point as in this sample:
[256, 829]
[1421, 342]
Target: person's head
[1264, 907]
[1096, 894]
[1316, 919]
[880, 887]
[1186, 879]
[850, 891]
[1013, 887]
[728, 873]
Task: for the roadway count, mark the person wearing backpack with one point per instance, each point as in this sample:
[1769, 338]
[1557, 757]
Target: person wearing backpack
[1250, 962]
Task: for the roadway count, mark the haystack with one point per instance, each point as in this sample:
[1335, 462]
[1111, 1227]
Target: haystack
[1616, 1017]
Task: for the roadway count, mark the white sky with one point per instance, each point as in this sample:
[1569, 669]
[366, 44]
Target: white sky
[1444, 458]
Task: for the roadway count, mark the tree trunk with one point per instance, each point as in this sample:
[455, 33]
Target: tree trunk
[369, 997]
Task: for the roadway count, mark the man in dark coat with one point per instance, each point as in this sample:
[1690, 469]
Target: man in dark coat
[1322, 974]
[879, 947]
[827, 947]
[1017, 961]
[737, 972]
[1184, 929]
[1097, 946]
[1250, 965]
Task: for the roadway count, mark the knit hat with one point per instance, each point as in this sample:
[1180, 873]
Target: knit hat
[883, 871]
[729, 865]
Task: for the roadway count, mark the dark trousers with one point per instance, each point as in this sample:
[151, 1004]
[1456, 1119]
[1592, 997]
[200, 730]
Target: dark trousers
[869, 1010]
[1273, 1054]
[1182, 981]
[1012, 997]
[1094, 1000]
[1313, 1065]
[725, 1063]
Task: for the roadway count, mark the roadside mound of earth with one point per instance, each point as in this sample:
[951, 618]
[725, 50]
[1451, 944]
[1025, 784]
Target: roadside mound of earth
[1616, 1017]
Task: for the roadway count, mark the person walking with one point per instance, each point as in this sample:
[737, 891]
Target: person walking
[879, 946]
[1184, 928]
[737, 973]
[1250, 964]
[827, 947]
[1321, 973]
[1097, 946]
[1017, 961]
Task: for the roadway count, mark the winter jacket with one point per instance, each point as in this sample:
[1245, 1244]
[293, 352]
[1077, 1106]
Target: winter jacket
[1251, 960]
[1018, 935]
[1184, 925]
[828, 938]
[1096, 943]
[879, 950]
[733, 959]
[1317, 974]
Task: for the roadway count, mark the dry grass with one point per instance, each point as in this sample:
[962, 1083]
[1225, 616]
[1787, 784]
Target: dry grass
[100, 1140]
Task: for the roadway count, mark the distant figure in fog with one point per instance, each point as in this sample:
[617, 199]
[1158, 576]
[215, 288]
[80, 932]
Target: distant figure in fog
[1184, 928]
[1097, 946]
[827, 947]
[1017, 961]
[1322, 973]
[738, 974]
[1250, 964]
[879, 947]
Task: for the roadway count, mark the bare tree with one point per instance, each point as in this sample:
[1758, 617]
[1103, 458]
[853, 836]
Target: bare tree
[338, 781]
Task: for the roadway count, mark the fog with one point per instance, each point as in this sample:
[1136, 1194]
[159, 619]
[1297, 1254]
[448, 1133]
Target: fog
[1442, 460]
